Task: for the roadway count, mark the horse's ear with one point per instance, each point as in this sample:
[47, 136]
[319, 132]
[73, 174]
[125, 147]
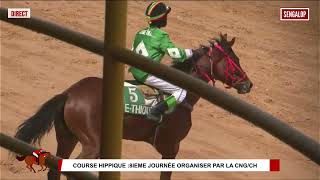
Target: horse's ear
[225, 36]
[217, 39]
[220, 35]
[232, 41]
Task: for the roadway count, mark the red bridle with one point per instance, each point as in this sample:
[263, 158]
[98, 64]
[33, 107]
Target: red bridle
[231, 68]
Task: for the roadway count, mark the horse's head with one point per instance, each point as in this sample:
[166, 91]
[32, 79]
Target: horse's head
[220, 62]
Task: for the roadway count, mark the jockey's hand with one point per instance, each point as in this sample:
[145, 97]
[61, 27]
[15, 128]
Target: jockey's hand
[197, 53]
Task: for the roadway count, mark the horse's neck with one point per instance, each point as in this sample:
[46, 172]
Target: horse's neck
[193, 98]
[187, 67]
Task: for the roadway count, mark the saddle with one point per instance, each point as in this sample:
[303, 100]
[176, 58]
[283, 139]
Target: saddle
[156, 92]
[139, 97]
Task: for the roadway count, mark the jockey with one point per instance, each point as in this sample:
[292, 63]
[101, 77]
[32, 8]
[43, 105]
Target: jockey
[154, 43]
[36, 153]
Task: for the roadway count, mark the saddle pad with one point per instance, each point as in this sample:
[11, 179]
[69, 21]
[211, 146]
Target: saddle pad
[134, 100]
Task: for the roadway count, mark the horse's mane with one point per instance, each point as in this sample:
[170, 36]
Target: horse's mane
[187, 65]
[184, 66]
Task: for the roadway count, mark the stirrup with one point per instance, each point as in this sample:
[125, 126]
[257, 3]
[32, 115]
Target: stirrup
[155, 119]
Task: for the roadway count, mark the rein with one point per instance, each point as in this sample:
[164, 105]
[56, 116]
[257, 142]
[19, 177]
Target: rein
[231, 68]
[205, 75]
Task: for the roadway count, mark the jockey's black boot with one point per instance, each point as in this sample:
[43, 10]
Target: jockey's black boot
[157, 111]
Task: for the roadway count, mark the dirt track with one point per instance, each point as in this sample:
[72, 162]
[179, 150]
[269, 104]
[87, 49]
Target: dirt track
[281, 58]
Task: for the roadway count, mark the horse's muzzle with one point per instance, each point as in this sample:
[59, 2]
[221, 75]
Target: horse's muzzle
[244, 87]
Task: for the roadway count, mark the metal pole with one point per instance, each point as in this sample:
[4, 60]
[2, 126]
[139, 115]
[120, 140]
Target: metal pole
[113, 77]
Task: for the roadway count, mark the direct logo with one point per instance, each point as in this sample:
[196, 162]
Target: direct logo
[294, 14]
[19, 12]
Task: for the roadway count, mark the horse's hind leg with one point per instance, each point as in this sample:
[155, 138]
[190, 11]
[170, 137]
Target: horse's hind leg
[65, 147]
[90, 149]
[29, 167]
[32, 168]
[89, 137]
[90, 143]
[66, 144]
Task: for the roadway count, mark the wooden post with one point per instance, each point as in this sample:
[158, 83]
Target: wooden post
[113, 77]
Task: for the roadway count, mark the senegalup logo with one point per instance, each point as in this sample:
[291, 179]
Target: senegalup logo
[294, 14]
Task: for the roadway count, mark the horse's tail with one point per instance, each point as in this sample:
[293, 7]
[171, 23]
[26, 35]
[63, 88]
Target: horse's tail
[40, 123]
[20, 158]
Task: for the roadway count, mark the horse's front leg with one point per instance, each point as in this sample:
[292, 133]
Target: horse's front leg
[168, 151]
[41, 168]
[166, 175]
[45, 168]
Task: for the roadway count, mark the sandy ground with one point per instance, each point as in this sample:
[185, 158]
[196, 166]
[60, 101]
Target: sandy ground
[281, 58]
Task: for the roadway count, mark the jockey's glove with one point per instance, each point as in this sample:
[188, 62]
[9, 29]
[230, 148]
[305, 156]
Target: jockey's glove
[189, 53]
[197, 53]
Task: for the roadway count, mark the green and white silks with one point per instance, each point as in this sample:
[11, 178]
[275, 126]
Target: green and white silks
[154, 43]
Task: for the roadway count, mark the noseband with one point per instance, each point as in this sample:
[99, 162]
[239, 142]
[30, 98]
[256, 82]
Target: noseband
[231, 68]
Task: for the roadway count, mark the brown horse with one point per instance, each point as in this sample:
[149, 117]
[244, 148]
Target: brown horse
[76, 113]
[30, 160]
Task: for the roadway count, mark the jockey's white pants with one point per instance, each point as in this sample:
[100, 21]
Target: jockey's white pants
[177, 92]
